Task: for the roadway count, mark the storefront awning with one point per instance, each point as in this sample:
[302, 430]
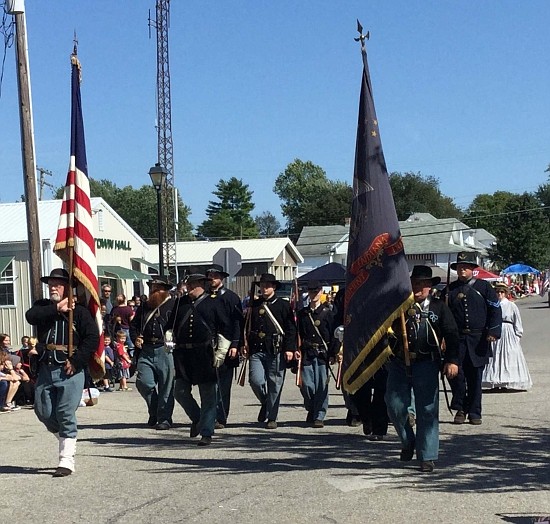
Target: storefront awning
[123, 273]
[146, 263]
[4, 263]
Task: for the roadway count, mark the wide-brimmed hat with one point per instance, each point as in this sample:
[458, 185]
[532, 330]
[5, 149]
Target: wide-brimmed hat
[424, 273]
[216, 268]
[196, 277]
[268, 277]
[501, 286]
[159, 280]
[314, 285]
[57, 274]
[466, 257]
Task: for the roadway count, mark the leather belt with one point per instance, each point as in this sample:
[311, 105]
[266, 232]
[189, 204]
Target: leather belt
[191, 345]
[472, 331]
[153, 340]
[57, 347]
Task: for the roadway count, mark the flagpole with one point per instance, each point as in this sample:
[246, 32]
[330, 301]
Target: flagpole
[70, 298]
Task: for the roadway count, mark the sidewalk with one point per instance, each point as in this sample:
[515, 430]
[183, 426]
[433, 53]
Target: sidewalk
[129, 473]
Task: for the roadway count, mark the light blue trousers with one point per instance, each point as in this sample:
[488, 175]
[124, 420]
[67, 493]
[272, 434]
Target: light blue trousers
[205, 414]
[266, 376]
[57, 397]
[425, 385]
[315, 389]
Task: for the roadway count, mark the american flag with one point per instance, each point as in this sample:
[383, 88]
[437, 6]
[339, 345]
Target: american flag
[75, 239]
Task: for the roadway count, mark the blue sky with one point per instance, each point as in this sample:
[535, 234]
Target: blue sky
[461, 92]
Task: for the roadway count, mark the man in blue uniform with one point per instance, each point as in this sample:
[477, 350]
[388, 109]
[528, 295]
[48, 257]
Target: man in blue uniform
[477, 312]
[197, 321]
[61, 378]
[271, 336]
[315, 329]
[234, 310]
[428, 322]
[155, 366]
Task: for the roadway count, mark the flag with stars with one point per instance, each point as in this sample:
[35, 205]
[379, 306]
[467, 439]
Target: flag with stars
[378, 287]
[75, 243]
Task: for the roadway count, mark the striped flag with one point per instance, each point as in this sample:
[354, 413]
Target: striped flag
[378, 287]
[75, 238]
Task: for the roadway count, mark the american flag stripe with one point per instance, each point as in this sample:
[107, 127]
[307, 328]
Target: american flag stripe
[75, 230]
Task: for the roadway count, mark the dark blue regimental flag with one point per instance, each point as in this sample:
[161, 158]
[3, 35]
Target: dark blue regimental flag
[378, 287]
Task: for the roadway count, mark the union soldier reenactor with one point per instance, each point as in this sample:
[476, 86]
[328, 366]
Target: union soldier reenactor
[428, 322]
[271, 337]
[315, 329]
[201, 331]
[233, 307]
[61, 377]
[155, 366]
[477, 312]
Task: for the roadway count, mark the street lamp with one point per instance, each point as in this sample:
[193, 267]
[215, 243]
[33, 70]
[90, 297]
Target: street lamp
[158, 177]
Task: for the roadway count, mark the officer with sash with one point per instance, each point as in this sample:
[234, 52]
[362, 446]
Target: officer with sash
[61, 377]
[477, 312]
[428, 322]
[271, 336]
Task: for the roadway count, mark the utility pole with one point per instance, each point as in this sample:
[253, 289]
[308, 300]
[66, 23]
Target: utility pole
[164, 130]
[17, 9]
[42, 181]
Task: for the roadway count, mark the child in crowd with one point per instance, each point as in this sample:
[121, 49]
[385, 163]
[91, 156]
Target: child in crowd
[124, 359]
[108, 378]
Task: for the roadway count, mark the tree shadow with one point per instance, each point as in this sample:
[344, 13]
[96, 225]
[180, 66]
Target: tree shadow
[475, 462]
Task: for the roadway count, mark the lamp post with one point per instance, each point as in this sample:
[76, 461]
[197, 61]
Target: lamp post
[158, 176]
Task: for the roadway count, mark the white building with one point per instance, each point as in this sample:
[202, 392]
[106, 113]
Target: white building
[121, 257]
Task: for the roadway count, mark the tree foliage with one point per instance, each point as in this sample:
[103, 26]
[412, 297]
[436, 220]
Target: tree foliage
[267, 224]
[519, 223]
[415, 193]
[230, 215]
[309, 198]
[137, 207]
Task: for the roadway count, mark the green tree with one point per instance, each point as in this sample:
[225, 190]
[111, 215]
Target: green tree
[229, 216]
[415, 193]
[518, 222]
[267, 224]
[137, 207]
[309, 198]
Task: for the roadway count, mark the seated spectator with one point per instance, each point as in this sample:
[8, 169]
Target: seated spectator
[5, 347]
[9, 376]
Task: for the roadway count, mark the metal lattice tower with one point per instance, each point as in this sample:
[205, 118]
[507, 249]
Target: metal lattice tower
[165, 145]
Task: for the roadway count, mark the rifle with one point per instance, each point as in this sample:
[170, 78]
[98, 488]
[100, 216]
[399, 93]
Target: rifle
[338, 381]
[244, 351]
[299, 371]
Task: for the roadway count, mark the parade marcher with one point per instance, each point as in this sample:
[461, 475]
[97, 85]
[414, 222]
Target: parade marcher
[315, 330]
[271, 347]
[196, 323]
[477, 312]
[507, 368]
[233, 307]
[61, 378]
[428, 322]
[155, 367]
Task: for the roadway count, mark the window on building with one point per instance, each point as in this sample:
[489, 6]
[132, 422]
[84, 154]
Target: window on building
[7, 283]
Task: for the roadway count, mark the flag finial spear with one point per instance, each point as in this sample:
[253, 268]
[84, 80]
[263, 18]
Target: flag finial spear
[75, 44]
[361, 37]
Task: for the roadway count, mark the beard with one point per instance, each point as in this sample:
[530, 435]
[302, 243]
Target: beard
[55, 297]
[157, 298]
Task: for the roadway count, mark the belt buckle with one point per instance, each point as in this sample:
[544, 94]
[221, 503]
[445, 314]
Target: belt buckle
[261, 334]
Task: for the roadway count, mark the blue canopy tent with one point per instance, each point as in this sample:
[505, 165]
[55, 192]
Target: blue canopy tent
[520, 269]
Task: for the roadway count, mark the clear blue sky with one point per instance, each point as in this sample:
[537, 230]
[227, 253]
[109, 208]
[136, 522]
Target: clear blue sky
[461, 92]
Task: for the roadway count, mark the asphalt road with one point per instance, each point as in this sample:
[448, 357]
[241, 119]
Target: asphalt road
[129, 473]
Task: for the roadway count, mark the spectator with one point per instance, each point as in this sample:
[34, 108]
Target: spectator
[124, 360]
[10, 376]
[106, 295]
[109, 377]
[5, 346]
[122, 315]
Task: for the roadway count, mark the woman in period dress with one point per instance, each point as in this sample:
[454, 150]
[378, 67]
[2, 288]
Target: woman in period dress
[507, 369]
